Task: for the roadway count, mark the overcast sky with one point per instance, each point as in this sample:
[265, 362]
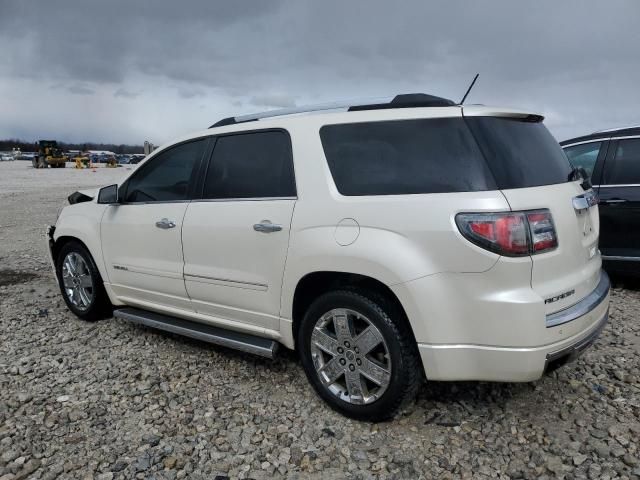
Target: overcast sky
[126, 71]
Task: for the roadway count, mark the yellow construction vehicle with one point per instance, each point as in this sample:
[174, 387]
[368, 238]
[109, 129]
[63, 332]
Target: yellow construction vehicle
[48, 155]
[82, 161]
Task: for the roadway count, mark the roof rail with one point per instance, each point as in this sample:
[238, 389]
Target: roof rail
[607, 130]
[408, 100]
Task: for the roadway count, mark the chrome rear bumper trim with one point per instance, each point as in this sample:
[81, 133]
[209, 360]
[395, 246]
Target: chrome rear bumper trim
[584, 306]
[621, 258]
[570, 353]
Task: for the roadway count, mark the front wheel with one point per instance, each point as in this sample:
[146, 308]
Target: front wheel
[80, 283]
[359, 354]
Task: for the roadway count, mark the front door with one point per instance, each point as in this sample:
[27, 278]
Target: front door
[141, 236]
[620, 202]
[235, 238]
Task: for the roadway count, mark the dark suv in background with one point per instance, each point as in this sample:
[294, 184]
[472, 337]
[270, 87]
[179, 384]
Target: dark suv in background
[612, 159]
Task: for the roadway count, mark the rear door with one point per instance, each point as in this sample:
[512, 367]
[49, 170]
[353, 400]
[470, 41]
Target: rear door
[620, 202]
[235, 238]
[532, 172]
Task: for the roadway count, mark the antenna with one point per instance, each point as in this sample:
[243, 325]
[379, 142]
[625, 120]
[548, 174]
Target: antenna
[469, 89]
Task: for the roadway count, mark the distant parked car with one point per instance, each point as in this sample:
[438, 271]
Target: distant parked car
[6, 157]
[612, 159]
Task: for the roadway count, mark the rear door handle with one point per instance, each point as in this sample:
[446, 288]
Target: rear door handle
[265, 226]
[165, 224]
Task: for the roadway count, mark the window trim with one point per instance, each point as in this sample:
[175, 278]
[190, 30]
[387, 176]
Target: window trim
[192, 180]
[199, 194]
[594, 140]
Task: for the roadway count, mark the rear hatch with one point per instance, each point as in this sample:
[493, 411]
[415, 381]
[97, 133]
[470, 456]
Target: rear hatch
[533, 173]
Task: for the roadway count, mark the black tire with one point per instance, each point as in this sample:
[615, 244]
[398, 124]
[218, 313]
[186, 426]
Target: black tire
[406, 368]
[99, 307]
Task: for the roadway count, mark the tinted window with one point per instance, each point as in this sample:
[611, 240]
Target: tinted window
[166, 177]
[251, 165]
[404, 157]
[624, 168]
[584, 155]
[520, 153]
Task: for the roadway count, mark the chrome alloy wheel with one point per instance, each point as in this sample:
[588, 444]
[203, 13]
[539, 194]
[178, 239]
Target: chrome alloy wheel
[77, 281]
[350, 356]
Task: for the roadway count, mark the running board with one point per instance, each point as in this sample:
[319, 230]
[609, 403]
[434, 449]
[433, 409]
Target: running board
[200, 331]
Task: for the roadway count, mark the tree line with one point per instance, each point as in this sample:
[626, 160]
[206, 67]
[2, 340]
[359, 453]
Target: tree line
[11, 143]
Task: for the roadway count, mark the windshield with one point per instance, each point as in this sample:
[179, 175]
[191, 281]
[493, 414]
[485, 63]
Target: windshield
[519, 152]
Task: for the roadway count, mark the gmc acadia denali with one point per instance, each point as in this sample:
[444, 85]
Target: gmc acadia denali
[385, 242]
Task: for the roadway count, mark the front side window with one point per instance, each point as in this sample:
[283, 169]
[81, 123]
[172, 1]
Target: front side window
[624, 167]
[584, 155]
[167, 176]
[251, 165]
[402, 157]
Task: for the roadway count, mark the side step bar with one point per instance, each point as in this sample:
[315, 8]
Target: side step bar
[200, 331]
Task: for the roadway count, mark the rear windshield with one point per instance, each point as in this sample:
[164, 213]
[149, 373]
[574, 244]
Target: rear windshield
[405, 157]
[520, 153]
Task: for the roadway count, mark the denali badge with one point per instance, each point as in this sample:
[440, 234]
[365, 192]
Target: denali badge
[119, 267]
[559, 297]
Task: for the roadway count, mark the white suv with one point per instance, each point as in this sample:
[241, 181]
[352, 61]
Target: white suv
[384, 242]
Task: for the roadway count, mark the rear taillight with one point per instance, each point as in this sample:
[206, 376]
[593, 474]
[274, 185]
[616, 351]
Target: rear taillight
[542, 231]
[513, 234]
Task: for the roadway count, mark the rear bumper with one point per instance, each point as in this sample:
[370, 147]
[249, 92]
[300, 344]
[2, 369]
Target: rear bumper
[526, 363]
[570, 353]
[584, 306]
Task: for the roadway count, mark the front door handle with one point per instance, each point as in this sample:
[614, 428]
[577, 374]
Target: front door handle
[165, 224]
[265, 226]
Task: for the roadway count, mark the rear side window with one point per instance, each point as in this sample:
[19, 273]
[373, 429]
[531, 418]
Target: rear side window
[584, 155]
[167, 175]
[404, 157]
[251, 165]
[520, 153]
[624, 167]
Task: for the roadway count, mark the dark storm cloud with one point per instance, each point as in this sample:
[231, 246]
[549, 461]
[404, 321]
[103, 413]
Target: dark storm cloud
[575, 61]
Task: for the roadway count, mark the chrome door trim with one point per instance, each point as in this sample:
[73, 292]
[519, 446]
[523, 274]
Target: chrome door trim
[247, 199]
[593, 140]
[154, 202]
[225, 281]
[623, 258]
[618, 185]
[627, 137]
[584, 306]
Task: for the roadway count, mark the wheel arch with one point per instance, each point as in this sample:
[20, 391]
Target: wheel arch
[314, 284]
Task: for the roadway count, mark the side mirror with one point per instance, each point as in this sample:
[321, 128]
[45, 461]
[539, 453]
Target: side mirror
[108, 195]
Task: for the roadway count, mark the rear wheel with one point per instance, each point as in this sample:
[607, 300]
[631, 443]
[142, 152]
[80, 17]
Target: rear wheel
[80, 283]
[359, 354]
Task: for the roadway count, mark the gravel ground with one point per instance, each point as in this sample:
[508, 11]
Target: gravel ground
[113, 400]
